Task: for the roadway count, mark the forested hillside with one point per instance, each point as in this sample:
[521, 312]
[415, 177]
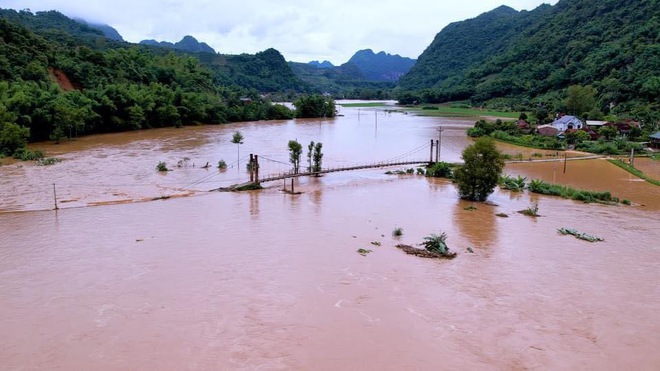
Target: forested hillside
[522, 59]
[345, 81]
[104, 86]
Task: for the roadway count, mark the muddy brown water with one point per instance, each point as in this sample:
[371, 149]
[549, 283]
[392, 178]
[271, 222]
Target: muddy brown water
[267, 280]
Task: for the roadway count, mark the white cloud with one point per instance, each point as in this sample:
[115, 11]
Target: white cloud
[301, 30]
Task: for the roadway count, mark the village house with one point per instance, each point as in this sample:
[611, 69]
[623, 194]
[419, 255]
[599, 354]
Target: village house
[566, 122]
[654, 140]
[547, 130]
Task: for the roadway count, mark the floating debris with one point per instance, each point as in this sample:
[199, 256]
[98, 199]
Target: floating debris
[410, 250]
[363, 252]
[502, 215]
[375, 243]
[579, 235]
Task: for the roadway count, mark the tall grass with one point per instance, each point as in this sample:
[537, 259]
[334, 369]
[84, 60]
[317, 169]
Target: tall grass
[541, 187]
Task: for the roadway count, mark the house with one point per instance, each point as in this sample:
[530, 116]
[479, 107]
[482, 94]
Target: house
[566, 122]
[547, 130]
[595, 125]
[524, 126]
[654, 140]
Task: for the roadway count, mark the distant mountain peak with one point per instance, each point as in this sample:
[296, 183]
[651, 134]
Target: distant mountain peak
[381, 66]
[324, 64]
[188, 43]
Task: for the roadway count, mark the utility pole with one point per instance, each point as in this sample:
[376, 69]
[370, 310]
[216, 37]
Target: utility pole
[437, 156]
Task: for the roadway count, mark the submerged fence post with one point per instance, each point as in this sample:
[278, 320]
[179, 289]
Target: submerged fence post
[55, 196]
[292, 191]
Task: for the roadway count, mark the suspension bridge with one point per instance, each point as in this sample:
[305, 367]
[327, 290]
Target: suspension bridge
[412, 157]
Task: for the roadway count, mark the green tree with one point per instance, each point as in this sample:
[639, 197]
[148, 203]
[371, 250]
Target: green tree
[237, 139]
[317, 157]
[295, 150]
[315, 106]
[577, 136]
[12, 137]
[580, 100]
[478, 177]
[608, 131]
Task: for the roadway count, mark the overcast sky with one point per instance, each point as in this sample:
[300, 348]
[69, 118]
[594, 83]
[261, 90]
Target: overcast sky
[302, 30]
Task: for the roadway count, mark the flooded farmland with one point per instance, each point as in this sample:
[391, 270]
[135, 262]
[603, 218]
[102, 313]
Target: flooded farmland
[269, 280]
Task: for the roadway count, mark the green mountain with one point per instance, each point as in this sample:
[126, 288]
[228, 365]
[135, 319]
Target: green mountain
[60, 79]
[381, 66]
[188, 44]
[345, 81]
[523, 58]
[265, 71]
[107, 30]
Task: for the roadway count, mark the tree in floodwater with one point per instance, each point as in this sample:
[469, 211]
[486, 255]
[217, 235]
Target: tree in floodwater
[295, 150]
[478, 177]
[317, 157]
[237, 139]
[315, 106]
[310, 151]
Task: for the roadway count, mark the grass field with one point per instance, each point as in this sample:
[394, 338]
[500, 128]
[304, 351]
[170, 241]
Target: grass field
[439, 110]
[360, 105]
[449, 111]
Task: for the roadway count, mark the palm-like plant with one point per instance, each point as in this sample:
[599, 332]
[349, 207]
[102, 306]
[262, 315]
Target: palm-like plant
[436, 243]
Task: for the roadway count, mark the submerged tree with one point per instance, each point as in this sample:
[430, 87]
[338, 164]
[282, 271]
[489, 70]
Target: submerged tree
[317, 157]
[310, 151]
[237, 139]
[295, 150]
[478, 177]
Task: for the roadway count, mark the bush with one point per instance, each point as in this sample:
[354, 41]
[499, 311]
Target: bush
[397, 232]
[162, 166]
[25, 154]
[222, 165]
[440, 170]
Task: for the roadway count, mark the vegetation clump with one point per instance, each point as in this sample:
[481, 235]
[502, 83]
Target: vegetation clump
[363, 252]
[502, 215]
[48, 161]
[512, 184]
[533, 210]
[440, 170]
[397, 232]
[162, 166]
[579, 235]
[435, 247]
[248, 187]
[222, 165]
[539, 186]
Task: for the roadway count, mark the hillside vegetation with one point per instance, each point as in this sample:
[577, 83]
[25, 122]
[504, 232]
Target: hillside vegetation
[520, 60]
[105, 86]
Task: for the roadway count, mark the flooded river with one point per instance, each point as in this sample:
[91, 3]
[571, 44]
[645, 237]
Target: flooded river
[268, 280]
